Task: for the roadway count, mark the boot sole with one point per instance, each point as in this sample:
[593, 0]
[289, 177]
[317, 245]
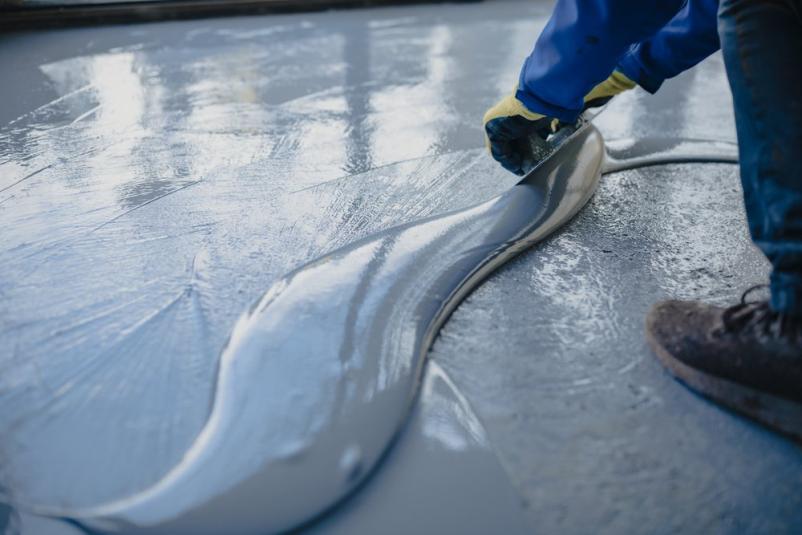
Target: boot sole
[777, 413]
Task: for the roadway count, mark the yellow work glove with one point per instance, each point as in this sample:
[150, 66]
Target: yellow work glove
[510, 127]
[602, 93]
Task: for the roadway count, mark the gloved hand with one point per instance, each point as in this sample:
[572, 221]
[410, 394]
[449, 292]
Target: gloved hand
[510, 128]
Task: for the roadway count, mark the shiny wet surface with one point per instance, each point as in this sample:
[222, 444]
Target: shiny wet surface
[157, 178]
[551, 351]
[317, 379]
[244, 147]
[595, 434]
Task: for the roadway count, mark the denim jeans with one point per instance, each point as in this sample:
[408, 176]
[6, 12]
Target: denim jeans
[585, 40]
[762, 45]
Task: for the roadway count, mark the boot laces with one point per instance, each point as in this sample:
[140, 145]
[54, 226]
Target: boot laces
[758, 317]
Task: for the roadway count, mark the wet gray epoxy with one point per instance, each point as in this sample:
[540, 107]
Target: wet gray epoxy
[550, 350]
[24, 523]
[596, 436]
[626, 154]
[695, 117]
[443, 448]
[177, 143]
[318, 377]
[442, 445]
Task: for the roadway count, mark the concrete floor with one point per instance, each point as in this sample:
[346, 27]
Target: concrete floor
[248, 146]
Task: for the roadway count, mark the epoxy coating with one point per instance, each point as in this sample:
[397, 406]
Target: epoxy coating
[318, 377]
[594, 433]
[192, 138]
[551, 353]
[626, 154]
[443, 447]
[220, 188]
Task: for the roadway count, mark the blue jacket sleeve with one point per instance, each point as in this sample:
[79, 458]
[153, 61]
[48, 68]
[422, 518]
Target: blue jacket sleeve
[581, 45]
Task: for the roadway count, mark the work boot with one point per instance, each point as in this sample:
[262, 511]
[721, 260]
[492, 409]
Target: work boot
[746, 357]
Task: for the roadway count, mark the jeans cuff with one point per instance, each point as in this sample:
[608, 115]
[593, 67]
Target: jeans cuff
[634, 70]
[786, 294]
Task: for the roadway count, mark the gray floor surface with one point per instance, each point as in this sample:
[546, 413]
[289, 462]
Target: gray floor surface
[155, 179]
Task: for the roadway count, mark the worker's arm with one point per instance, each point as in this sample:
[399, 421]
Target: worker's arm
[509, 124]
[576, 52]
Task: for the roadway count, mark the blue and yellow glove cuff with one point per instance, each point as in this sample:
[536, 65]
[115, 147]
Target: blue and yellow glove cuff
[509, 126]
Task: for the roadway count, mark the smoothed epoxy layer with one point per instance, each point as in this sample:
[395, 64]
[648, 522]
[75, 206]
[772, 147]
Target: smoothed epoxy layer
[623, 154]
[318, 377]
[428, 480]
[231, 463]
[379, 86]
[167, 174]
